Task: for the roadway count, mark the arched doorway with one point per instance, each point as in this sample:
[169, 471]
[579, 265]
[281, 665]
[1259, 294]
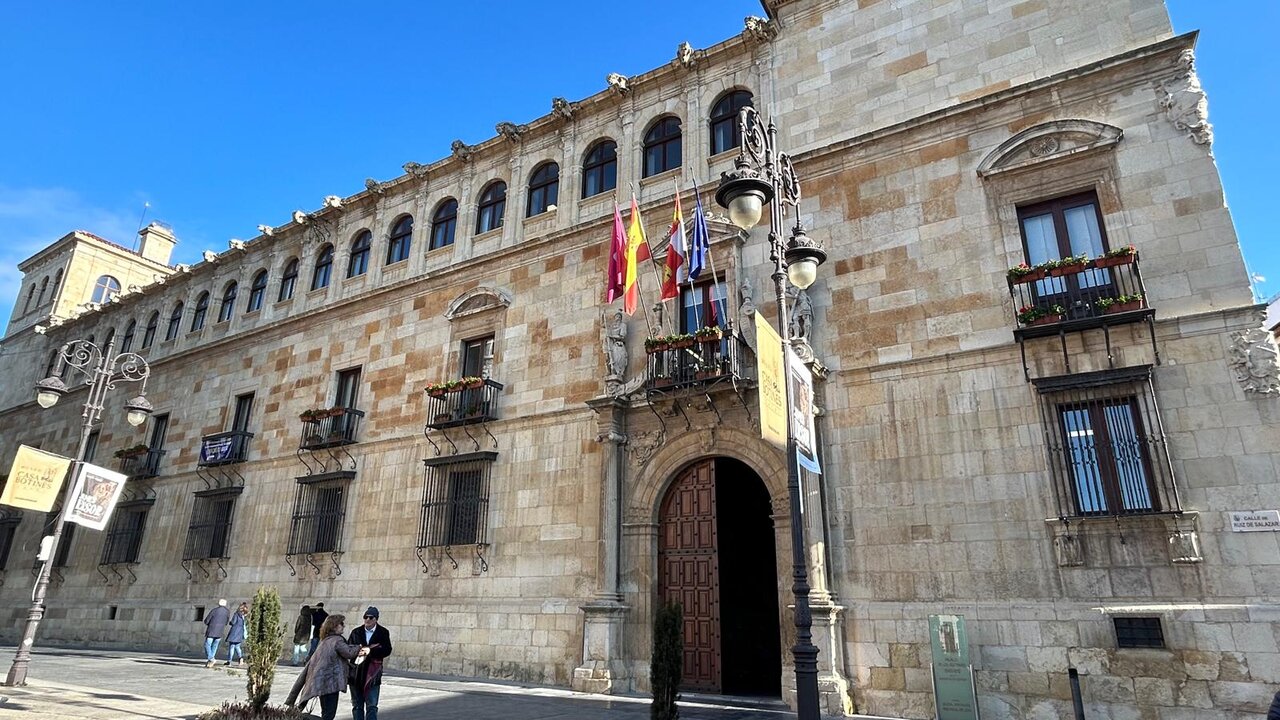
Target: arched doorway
[716, 557]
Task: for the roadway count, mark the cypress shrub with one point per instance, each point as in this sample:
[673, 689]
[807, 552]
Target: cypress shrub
[667, 665]
[263, 643]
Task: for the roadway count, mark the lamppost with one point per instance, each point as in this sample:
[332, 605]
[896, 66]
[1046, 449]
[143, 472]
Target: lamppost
[102, 370]
[762, 175]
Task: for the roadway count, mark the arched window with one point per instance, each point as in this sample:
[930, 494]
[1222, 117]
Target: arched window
[228, 306]
[202, 311]
[106, 287]
[111, 336]
[149, 335]
[359, 262]
[401, 237]
[126, 343]
[57, 280]
[257, 291]
[289, 280]
[662, 146]
[324, 267]
[600, 169]
[544, 189]
[725, 133]
[175, 322]
[53, 363]
[44, 285]
[444, 224]
[31, 292]
[493, 205]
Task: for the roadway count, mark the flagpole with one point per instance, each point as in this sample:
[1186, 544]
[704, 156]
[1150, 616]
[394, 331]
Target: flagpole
[711, 260]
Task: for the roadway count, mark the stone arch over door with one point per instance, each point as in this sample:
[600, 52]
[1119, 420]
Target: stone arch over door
[645, 494]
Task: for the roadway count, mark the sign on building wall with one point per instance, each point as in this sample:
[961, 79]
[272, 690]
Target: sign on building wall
[953, 692]
[1255, 521]
[95, 495]
[773, 410]
[217, 449]
[801, 412]
[34, 479]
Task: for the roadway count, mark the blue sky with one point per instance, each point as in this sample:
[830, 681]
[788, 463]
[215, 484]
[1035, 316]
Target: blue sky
[224, 116]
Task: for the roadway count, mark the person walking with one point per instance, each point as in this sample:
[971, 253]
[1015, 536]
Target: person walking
[215, 623]
[235, 633]
[302, 633]
[325, 674]
[366, 675]
[317, 619]
[1274, 712]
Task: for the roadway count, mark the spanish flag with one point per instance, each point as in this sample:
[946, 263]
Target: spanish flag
[675, 254]
[637, 252]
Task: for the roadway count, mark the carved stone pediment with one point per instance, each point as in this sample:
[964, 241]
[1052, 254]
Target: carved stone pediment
[477, 300]
[1049, 142]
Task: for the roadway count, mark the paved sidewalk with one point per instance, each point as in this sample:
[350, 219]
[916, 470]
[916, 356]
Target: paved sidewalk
[110, 684]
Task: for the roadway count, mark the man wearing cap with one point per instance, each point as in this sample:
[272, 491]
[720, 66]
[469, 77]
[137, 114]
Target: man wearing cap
[366, 677]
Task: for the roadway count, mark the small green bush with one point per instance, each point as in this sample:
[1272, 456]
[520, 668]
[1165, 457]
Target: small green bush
[667, 665]
[263, 642]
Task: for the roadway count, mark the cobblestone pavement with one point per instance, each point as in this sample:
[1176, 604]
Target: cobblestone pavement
[102, 684]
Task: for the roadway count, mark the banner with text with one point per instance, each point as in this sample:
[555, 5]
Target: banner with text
[95, 495]
[34, 479]
[216, 450]
[770, 376]
[802, 428]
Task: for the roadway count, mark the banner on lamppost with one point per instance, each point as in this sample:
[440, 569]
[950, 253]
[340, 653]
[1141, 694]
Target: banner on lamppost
[95, 495]
[34, 479]
[770, 376]
[954, 696]
[801, 413]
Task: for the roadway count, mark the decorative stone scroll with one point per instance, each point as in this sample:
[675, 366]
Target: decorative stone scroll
[1184, 101]
[1048, 142]
[1256, 361]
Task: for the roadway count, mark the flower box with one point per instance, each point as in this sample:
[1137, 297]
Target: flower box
[682, 343]
[1070, 269]
[1032, 276]
[1112, 261]
[655, 348]
[1045, 320]
[1123, 307]
[442, 418]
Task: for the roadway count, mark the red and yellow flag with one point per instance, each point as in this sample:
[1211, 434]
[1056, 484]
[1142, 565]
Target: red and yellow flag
[675, 254]
[637, 252]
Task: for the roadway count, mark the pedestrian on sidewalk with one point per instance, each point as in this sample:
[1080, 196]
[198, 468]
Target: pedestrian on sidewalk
[235, 633]
[366, 675]
[302, 633]
[215, 623]
[317, 619]
[326, 672]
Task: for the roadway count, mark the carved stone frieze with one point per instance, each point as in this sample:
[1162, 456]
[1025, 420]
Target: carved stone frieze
[511, 131]
[641, 446]
[461, 150]
[1256, 361]
[759, 29]
[617, 83]
[1184, 101]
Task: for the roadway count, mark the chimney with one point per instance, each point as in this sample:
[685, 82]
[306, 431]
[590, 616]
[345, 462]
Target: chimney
[157, 242]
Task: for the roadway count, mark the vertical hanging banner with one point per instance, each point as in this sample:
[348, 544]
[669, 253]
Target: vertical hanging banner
[801, 413]
[95, 495]
[34, 479]
[770, 376]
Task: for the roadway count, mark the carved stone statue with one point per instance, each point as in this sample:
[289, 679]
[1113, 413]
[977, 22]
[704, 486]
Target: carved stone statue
[615, 351]
[801, 316]
[747, 313]
[562, 108]
[1255, 358]
[510, 130]
[461, 150]
[617, 82]
[415, 169]
[685, 56]
[1184, 101]
[374, 186]
[759, 29]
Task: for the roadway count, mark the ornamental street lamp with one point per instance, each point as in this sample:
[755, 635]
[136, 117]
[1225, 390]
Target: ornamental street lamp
[102, 370]
[761, 176]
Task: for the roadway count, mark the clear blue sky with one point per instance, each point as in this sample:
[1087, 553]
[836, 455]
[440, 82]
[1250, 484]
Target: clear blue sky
[223, 116]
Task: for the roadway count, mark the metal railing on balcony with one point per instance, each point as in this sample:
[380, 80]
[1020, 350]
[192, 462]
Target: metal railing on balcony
[340, 427]
[463, 405]
[142, 466]
[1099, 292]
[224, 448]
[698, 363]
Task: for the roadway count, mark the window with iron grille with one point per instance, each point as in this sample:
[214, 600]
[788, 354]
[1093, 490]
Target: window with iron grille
[1107, 449]
[1139, 632]
[455, 500]
[319, 509]
[124, 533]
[209, 534]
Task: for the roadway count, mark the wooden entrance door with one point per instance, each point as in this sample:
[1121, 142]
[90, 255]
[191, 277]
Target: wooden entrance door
[690, 572]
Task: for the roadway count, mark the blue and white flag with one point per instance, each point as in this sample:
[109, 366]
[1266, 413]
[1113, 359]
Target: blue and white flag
[700, 244]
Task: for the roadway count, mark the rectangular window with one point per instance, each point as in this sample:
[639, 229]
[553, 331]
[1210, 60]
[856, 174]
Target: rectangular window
[244, 408]
[91, 446]
[1062, 228]
[1139, 632]
[318, 513]
[704, 305]
[455, 500]
[477, 357]
[209, 533]
[1108, 454]
[348, 388]
[124, 533]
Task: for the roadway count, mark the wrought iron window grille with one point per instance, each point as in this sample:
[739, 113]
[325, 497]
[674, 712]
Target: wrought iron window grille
[125, 532]
[455, 505]
[319, 514]
[208, 542]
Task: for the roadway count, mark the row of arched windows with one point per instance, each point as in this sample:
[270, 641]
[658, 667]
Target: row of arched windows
[44, 288]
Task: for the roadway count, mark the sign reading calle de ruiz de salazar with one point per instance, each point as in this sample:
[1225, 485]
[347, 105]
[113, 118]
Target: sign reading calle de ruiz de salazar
[953, 691]
[1255, 521]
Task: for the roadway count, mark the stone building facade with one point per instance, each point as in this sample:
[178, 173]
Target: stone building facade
[1065, 482]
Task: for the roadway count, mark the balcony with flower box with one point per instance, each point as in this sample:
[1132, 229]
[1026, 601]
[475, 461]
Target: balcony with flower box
[1075, 294]
[464, 401]
[140, 462]
[697, 360]
[324, 428]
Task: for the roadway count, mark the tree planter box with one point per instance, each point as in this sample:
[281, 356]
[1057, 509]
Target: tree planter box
[1123, 307]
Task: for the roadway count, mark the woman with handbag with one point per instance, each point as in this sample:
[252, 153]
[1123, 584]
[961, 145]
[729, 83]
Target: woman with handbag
[325, 674]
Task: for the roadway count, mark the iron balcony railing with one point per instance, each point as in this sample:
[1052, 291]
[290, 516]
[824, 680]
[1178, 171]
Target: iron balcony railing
[141, 467]
[463, 405]
[1100, 291]
[339, 428]
[699, 362]
[224, 448]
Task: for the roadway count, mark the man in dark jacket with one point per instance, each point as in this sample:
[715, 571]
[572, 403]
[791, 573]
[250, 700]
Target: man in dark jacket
[366, 677]
[215, 623]
[317, 619]
[1274, 712]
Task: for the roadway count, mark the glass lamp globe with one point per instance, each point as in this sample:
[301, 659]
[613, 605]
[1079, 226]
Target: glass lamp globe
[137, 410]
[802, 273]
[46, 398]
[745, 210]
